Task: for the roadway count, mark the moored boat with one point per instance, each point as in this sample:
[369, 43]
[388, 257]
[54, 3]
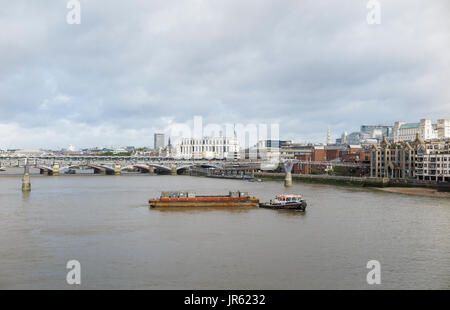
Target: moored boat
[293, 202]
[190, 199]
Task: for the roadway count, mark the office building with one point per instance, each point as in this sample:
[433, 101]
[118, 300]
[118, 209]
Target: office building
[158, 141]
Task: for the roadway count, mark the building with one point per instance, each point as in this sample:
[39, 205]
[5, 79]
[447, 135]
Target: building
[326, 159]
[433, 161]
[209, 148]
[377, 132]
[443, 128]
[266, 150]
[30, 153]
[292, 150]
[158, 141]
[356, 154]
[405, 131]
[422, 160]
[425, 128]
[393, 160]
[168, 151]
[310, 160]
[368, 134]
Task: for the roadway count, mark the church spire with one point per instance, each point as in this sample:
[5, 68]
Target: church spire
[328, 135]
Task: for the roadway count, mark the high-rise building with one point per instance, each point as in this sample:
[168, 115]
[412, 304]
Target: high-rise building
[158, 141]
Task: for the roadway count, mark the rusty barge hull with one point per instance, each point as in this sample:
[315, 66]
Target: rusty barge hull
[204, 202]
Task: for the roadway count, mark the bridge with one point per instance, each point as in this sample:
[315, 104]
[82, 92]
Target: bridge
[115, 165]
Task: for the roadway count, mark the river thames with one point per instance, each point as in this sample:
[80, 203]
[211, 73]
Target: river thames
[105, 223]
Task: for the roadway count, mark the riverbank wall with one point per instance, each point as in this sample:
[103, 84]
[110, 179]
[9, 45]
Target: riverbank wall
[354, 181]
[326, 179]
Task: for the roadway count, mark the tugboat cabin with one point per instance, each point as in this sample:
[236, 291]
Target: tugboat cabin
[288, 198]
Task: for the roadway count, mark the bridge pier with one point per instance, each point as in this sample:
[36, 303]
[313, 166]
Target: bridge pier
[117, 169]
[151, 170]
[288, 178]
[173, 170]
[55, 169]
[26, 183]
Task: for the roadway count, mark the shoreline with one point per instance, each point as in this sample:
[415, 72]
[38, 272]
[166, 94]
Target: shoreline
[415, 191]
[430, 190]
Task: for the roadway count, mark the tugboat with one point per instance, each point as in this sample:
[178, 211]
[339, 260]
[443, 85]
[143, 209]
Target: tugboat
[292, 202]
[190, 199]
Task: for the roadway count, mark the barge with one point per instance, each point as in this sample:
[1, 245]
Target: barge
[286, 202]
[190, 199]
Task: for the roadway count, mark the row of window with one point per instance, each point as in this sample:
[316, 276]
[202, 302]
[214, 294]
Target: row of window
[433, 159]
[208, 141]
[191, 149]
[432, 165]
[432, 172]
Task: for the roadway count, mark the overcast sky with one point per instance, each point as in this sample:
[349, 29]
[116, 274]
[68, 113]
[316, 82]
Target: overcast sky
[135, 67]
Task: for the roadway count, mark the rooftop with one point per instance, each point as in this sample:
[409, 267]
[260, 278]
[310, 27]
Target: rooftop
[410, 125]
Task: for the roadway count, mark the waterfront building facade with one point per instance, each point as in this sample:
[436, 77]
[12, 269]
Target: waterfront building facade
[322, 159]
[209, 148]
[392, 160]
[422, 160]
[433, 161]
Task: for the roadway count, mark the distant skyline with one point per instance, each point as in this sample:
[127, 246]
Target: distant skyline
[133, 68]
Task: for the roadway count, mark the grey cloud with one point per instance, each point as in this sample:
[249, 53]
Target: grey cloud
[134, 65]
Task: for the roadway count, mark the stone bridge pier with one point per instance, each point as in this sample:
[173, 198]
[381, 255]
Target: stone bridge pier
[287, 169]
[55, 169]
[173, 170]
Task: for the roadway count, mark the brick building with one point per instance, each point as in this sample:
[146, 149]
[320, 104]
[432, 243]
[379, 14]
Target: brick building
[322, 159]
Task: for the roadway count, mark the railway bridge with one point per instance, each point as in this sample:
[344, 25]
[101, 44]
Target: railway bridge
[54, 165]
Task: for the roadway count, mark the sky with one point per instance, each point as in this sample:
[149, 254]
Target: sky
[132, 68]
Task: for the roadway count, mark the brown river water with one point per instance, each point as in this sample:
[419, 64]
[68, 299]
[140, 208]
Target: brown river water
[104, 222]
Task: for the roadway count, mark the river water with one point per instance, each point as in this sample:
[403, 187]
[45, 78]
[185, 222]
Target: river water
[104, 222]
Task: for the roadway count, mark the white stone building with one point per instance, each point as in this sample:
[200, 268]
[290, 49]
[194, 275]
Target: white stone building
[443, 128]
[425, 128]
[208, 148]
